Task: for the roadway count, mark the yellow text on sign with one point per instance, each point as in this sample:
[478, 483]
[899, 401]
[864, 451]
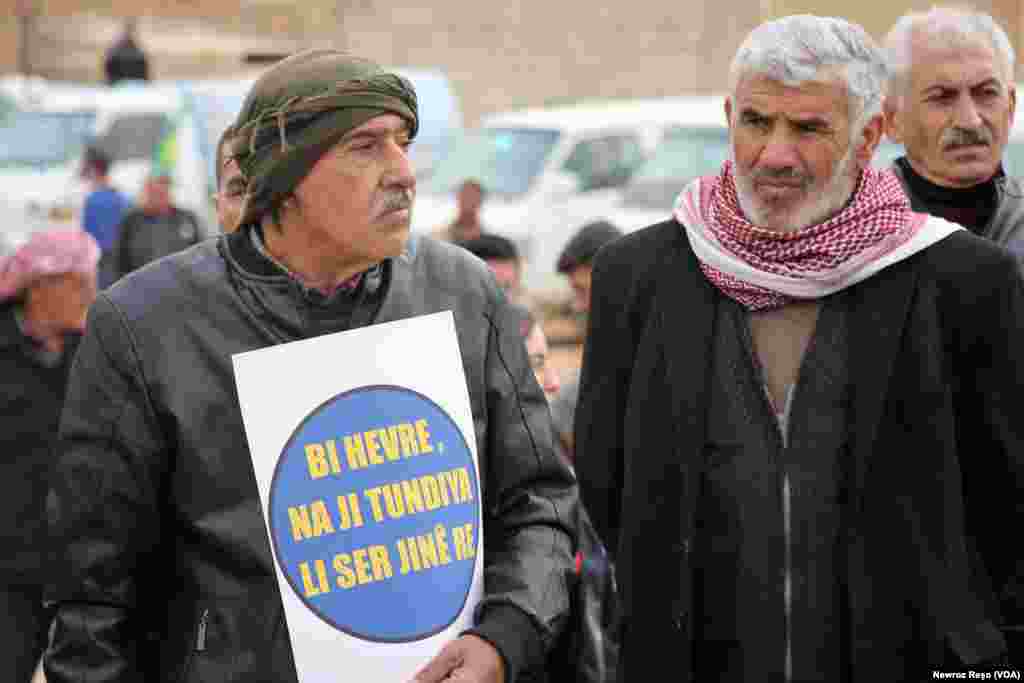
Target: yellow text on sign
[361, 450]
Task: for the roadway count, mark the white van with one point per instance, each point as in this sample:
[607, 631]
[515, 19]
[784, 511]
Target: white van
[42, 125]
[545, 171]
[137, 124]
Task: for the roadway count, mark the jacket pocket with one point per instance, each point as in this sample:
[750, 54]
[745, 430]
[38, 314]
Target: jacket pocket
[197, 644]
[236, 640]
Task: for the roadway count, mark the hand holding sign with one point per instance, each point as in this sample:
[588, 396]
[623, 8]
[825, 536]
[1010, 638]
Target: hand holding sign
[468, 659]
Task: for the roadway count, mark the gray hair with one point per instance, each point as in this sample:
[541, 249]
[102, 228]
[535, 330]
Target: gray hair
[949, 26]
[802, 48]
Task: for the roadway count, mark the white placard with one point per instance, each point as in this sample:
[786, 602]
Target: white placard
[364, 452]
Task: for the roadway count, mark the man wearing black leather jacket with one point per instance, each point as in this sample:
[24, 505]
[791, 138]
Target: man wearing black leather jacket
[154, 508]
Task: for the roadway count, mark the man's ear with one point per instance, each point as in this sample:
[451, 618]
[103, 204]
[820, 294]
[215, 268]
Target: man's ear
[728, 112]
[870, 137]
[893, 116]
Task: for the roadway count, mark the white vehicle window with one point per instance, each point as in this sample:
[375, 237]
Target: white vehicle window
[687, 153]
[41, 139]
[604, 162]
[506, 161]
[683, 154]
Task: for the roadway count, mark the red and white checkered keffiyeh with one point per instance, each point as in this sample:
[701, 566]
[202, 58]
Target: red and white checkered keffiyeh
[764, 269]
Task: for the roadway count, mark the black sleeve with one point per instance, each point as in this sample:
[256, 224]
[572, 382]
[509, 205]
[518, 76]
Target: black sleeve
[604, 382]
[102, 509]
[990, 369]
[529, 510]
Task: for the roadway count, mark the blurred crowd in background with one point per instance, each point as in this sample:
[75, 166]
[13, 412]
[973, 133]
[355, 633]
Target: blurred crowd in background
[98, 180]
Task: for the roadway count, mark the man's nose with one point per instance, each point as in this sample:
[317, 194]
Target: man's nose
[552, 382]
[401, 174]
[779, 152]
[966, 113]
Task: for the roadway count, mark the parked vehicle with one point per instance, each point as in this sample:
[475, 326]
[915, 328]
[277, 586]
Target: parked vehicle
[440, 118]
[42, 125]
[546, 172]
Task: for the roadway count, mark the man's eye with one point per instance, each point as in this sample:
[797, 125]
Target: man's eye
[809, 127]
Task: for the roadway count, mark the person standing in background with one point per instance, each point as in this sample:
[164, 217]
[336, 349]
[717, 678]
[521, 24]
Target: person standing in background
[537, 350]
[950, 101]
[230, 195]
[154, 229]
[502, 257]
[466, 226]
[45, 288]
[104, 208]
[576, 263]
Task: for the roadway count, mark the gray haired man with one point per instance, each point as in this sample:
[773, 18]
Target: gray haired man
[950, 101]
[800, 400]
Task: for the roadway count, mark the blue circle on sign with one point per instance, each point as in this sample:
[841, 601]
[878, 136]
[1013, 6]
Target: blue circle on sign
[374, 513]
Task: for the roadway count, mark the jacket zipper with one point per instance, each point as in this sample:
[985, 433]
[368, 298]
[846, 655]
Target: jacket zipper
[201, 630]
[787, 585]
[198, 645]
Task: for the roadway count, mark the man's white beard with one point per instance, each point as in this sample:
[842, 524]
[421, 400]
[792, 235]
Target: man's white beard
[815, 210]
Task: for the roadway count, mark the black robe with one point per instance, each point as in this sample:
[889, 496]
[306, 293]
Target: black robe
[931, 557]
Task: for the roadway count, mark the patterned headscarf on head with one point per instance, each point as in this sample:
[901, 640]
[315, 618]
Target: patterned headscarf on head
[54, 252]
[299, 109]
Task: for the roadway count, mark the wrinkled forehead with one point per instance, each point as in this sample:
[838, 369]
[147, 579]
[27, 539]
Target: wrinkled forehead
[825, 95]
[934, 50]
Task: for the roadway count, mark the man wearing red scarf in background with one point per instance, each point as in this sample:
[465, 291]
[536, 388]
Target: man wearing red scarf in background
[800, 401]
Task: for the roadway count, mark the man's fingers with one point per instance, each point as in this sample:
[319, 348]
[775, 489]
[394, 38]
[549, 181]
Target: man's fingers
[438, 668]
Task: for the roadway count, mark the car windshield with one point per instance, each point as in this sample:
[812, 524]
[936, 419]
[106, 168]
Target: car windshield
[683, 154]
[134, 137]
[504, 160]
[686, 153]
[43, 139]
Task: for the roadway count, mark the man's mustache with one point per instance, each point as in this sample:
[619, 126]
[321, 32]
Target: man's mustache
[396, 201]
[963, 137]
[787, 176]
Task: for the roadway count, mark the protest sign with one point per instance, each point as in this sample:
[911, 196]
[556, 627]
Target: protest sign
[363, 449]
